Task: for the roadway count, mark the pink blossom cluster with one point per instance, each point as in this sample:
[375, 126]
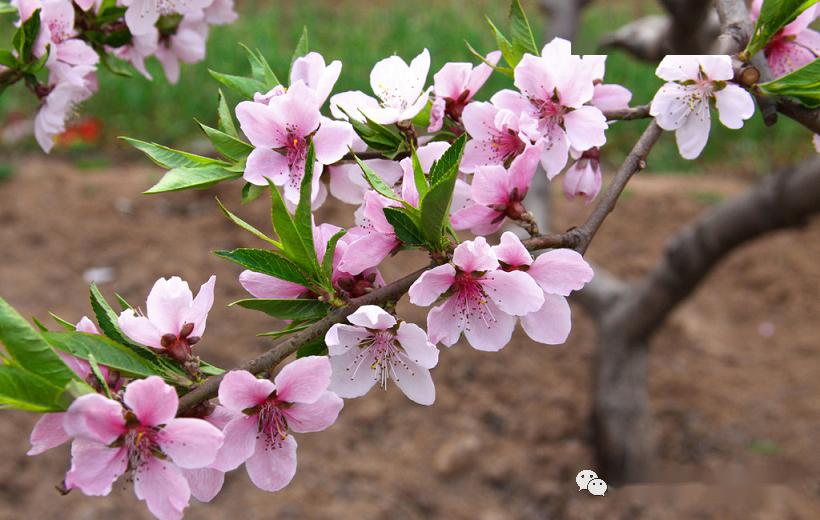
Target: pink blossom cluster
[794, 46]
[72, 61]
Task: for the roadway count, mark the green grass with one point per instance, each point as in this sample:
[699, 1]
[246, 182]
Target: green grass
[359, 33]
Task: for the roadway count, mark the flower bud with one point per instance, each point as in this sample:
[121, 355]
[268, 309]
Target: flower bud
[583, 179]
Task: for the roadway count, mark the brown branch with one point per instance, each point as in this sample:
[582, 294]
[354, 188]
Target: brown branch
[628, 114]
[808, 118]
[736, 26]
[576, 238]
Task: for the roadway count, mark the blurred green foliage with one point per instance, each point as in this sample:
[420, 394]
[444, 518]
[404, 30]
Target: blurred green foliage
[361, 32]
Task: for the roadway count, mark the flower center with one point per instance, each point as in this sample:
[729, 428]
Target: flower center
[178, 346]
[471, 303]
[272, 423]
[384, 356]
[141, 444]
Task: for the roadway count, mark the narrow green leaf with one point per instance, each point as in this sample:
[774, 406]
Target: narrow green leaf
[124, 305]
[327, 261]
[106, 317]
[774, 16]
[507, 71]
[260, 69]
[375, 181]
[293, 246]
[523, 40]
[266, 262]
[510, 55]
[105, 351]
[98, 375]
[170, 158]
[22, 390]
[406, 229]
[210, 370]
[251, 192]
[7, 8]
[447, 165]
[230, 147]
[418, 176]
[298, 309]
[247, 227]
[26, 35]
[7, 59]
[246, 87]
[435, 210]
[224, 117]
[802, 84]
[292, 327]
[28, 350]
[303, 216]
[39, 325]
[62, 323]
[301, 49]
[317, 347]
[184, 178]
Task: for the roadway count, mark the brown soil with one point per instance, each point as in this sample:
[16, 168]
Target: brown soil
[734, 378]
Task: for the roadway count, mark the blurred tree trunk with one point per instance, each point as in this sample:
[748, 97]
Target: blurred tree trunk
[628, 316]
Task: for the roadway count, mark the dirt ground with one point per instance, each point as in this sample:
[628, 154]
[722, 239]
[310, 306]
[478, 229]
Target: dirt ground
[734, 374]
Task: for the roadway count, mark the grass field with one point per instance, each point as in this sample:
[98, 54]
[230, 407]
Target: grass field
[360, 33]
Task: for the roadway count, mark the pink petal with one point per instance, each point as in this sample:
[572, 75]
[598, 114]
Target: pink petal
[266, 286]
[263, 164]
[77, 365]
[512, 101]
[451, 80]
[312, 70]
[369, 251]
[492, 333]
[583, 179]
[585, 127]
[478, 218]
[260, 124]
[475, 255]
[333, 140]
[511, 251]
[95, 418]
[669, 106]
[191, 443]
[514, 292]
[555, 150]
[168, 303]
[481, 73]
[314, 417]
[611, 97]
[139, 329]
[296, 112]
[551, 323]
[431, 285]
[76, 52]
[303, 380]
[734, 105]
[87, 326]
[198, 312]
[372, 317]
[152, 400]
[415, 382]
[678, 68]
[48, 433]
[561, 271]
[205, 483]
[240, 441]
[413, 340]
[352, 373]
[353, 104]
[491, 185]
[341, 338]
[533, 78]
[141, 16]
[272, 468]
[717, 67]
[693, 135]
[444, 323]
[240, 390]
[479, 120]
[163, 488]
[522, 169]
[95, 467]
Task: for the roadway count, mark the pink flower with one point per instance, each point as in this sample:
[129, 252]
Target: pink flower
[427, 155]
[682, 104]
[57, 31]
[606, 96]
[481, 300]
[311, 69]
[374, 350]
[142, 436]
[281, 130]
[142, 46]
[498, 193]
[266, 412]
[141, 15]
[174, 320]
[498, 135]
[56, 108]
[795, 46]
[373, 240]
[555, 89]
[206, 483]
[187, 44]
[583, 178]
[456, 84]
[220, 12]
[558, 273]
[398, 87]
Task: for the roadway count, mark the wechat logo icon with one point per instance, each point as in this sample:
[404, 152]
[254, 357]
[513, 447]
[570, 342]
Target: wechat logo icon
[588, 480]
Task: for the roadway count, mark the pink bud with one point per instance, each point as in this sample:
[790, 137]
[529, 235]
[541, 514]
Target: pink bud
[583, 179]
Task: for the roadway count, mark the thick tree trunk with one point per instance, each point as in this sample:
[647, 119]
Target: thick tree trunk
[627, 321]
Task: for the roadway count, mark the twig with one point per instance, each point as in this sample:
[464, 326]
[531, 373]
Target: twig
[628, 114]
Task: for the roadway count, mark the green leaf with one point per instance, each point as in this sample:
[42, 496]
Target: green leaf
[184, 178]
[375, 181]
[303, 216]
[292, 244]
[247, 227]
[316, 347]
[327, 261]
[406, 229]
[510, 55]
[25, 36]
[38, 64]
[435, 210]
[170, 158]
[105, 351]
[301, 48]
[292, 327]
[251, 192]
[523, 40]
[802, 84]
[7, 8]
[8, 59]
[62, 323]
[774, 15]
[503, 70]
[230, 147]
[98, 375]
[22, 390]
[246, 87]
[28, 349]
[298, 309]
[107, 318]
[260, 69]
[124, 305]
[418, 176]
[224, 117]
[266, 262]
[447, 165]
[116, 65]
[210, 370]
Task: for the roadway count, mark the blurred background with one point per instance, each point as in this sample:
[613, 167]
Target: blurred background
[733, 374]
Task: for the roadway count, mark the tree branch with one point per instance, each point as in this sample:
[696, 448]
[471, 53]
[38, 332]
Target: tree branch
[576, 238]
[563, 17]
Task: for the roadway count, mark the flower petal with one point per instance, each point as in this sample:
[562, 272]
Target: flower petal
[168, 303]
[152, 400]
[205, 483]
[95, 418]
[432, 284]
[272, 468]
[198, 312]
[341, 338]
[316, 416]
[372, 317]
[48, 433]
[240, 390]
[734, 105]
[191, 443]
[240, 441]
[263, 164]
[514, 292]
[303, 380]
[551, 323]
[413, 340]
[561, 271]
[352, 374]
[491, 332]
[415, 382]
[475, 255]
[139, 329]
[511, 251]
[95, 467]
[163, 488]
